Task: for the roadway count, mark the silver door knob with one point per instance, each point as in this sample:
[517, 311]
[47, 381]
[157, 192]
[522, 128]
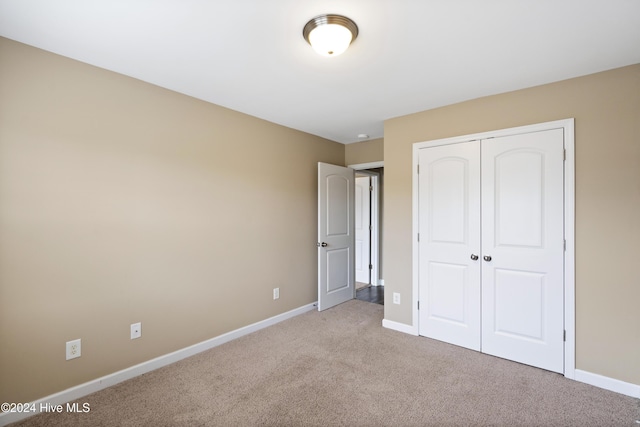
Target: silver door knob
[487, 258]
[323, 244]
[474, 257]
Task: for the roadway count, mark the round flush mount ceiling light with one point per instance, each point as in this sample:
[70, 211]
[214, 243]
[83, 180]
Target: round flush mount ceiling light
[330, 35]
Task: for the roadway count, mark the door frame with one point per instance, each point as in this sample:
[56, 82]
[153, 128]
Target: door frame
[376, 280]
[363, 213]
[569, 223]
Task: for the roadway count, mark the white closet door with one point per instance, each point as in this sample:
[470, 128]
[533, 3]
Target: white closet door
[363, 230]
[522, 248]
[449, 206]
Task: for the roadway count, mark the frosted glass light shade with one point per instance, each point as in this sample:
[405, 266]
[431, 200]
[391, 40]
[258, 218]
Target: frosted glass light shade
[330, 35]
[330, 39]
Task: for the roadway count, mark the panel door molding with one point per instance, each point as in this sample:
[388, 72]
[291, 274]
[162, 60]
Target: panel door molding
[514, 289]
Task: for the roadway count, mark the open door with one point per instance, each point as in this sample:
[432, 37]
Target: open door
[336, 235]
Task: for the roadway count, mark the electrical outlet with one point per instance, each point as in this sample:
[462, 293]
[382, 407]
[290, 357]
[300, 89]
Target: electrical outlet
[136, 330]
[396, 298]
[276, 293]
[74, 349]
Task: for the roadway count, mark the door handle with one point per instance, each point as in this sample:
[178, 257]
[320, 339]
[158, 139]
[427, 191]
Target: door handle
[487, 258]
[474, 257]
[323, 244]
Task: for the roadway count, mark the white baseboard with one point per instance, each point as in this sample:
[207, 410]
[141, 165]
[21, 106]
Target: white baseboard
[87, 388]
[607, 383]
[611, 384]
[381, 282]
[400, 327]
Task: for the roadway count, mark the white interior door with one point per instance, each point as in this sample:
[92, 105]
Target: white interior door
[336, 235]
[449, 246]
[522, 248]
[501, 199]
[363, 229]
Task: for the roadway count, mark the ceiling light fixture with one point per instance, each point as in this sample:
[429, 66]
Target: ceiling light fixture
[330, 35]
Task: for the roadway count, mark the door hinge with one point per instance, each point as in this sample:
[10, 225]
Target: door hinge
[565, 245]
[370, 188]
[370, 227]
[564, 336]
[418, 237]
[564, 154]
[418, 305]
[370, 266]
[418, 169]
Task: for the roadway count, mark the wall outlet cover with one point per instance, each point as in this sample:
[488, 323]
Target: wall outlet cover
[74, 349]
[136, 330]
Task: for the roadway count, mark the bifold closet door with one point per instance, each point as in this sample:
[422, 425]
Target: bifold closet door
[449, 206]
[523, 248]
[491, 246]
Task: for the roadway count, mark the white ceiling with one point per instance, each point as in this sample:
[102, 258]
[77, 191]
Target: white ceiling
[410, 55]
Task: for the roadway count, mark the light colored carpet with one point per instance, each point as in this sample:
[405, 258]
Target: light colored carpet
[341, 368]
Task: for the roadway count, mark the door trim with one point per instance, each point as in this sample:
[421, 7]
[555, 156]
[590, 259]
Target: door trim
[374, 241]
[376, 253]
[363, 215]
[371, 165]
[569, 223]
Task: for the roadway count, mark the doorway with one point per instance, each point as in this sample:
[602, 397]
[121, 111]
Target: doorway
[368, 226]
[336, 234]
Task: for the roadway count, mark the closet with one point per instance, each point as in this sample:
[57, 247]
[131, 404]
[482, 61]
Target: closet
[491, 244]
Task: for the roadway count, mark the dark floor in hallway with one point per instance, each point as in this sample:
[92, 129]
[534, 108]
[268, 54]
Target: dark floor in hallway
[370, 293]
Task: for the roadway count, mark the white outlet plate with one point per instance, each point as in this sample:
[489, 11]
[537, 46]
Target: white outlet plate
[396, 298]
[74, 349]
[136, 330]
[276, 293]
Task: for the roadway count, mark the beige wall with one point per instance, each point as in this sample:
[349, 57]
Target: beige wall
[606, 107]
[122, 202]
[364, 152]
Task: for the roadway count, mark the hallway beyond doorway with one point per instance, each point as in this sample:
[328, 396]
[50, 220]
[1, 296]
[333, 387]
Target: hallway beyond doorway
[374, 294]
